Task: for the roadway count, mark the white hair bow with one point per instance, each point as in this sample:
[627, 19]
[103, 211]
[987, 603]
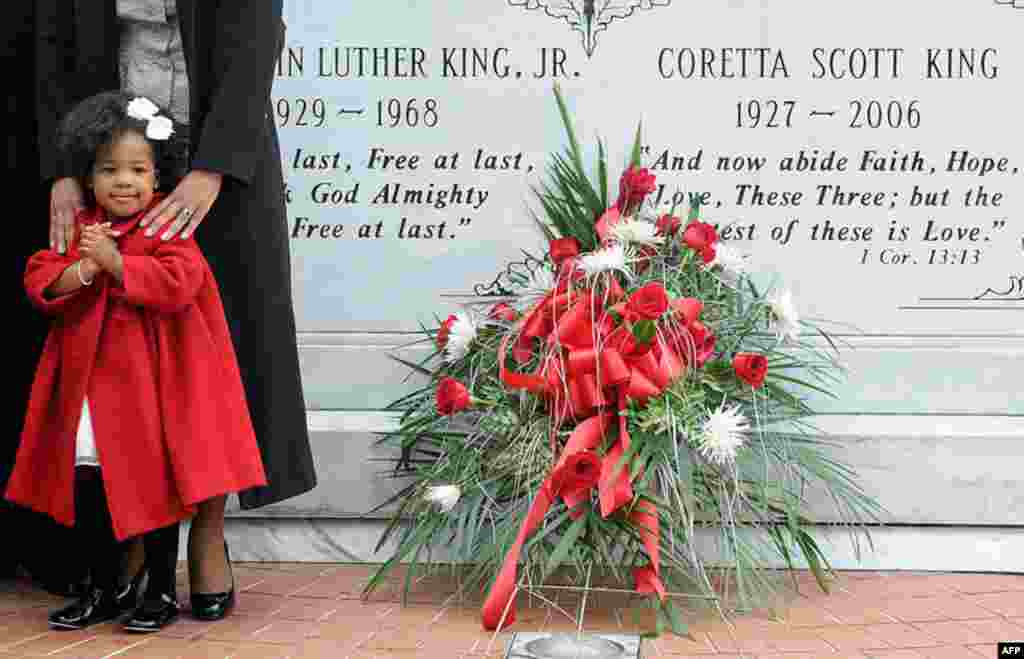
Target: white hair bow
[158, 127]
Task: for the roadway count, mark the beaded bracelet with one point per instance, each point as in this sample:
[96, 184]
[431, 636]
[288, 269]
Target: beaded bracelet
[78, 269]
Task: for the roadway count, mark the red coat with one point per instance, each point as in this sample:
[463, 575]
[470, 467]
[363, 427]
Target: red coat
[155, 358]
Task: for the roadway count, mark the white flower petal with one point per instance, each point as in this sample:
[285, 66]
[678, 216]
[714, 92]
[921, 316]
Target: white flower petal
[786, 320]
[732, 262]
[637, 231]
[141, 108]
[724, 432]
[445, 496]
[159, 128]
[461, 334]
[612, 257]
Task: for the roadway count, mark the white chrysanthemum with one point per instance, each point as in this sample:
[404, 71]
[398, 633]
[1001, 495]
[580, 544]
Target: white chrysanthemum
[732, 262]
[142, 109]
[445, 496]
[461, 334]
[159, 128]
[609, 258]
[725, 431]
[785, 319]
[639, 232]
[542, 281]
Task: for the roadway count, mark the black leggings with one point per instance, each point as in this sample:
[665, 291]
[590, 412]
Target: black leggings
[161, 561]
[104, 554]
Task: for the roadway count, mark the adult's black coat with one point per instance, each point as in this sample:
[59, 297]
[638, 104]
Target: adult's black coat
[39, 543]
[231, 48]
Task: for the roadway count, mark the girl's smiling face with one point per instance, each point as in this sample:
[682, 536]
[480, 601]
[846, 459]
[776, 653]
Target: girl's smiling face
[124, 175]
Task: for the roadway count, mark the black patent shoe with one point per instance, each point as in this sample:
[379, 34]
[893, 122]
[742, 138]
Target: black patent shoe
[153, 615]
[214, 606]
[93, 607]
[128, 596]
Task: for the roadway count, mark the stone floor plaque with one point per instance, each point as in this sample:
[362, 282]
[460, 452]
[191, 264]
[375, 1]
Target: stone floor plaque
[535, 645]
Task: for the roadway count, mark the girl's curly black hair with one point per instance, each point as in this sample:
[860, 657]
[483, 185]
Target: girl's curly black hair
[98, 121]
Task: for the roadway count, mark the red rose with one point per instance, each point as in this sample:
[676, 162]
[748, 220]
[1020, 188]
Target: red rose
[751, 368]
[603, 225]
[708, 254]
[563, 249]
[703, 342]
[502, 311]
[445, 330]
[649, 301]
[687, 309]
[578, 473]
[635, 184]
[668, 225]
[699, 235]
[452, 396]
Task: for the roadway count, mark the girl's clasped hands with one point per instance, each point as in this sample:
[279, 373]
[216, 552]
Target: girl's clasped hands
[99, 251]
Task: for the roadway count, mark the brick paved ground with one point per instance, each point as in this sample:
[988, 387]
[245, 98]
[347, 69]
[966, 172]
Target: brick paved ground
[288, 610]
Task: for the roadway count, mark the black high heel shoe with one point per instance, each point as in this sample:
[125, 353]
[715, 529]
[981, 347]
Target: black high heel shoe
[215, 606]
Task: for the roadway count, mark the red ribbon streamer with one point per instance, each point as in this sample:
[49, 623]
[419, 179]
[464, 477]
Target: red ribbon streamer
[576, 377]
[587, 435]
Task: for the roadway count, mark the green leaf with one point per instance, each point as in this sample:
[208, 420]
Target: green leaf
[718, 367]
[549, 528]
[695, 198]
[644, 331]
[635, 156]
[602, 174]
[566, 544]
[410, 365]
[802, 383]
[661, 622]
[675, 619]
[574, 146]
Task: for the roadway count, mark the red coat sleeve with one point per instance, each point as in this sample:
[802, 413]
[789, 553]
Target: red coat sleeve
[43, 269]
[167, 280]
[246, 40]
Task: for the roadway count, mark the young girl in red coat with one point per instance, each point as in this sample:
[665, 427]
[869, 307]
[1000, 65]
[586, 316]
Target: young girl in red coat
[137, 411]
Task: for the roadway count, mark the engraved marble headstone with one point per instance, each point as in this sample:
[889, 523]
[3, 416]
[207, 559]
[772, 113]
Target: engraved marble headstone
[534, 645]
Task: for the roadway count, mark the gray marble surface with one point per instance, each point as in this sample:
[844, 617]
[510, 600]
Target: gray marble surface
[992, 549]
[922, 470]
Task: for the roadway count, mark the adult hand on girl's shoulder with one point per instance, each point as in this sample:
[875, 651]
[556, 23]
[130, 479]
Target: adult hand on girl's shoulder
[66, 200]
[186, 207]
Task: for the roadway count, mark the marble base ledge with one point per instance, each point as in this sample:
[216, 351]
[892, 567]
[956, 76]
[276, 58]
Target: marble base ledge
[940, 549]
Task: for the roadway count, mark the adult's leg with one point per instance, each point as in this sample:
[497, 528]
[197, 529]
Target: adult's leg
[258, 305]
[209, 563]
[209, 571]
